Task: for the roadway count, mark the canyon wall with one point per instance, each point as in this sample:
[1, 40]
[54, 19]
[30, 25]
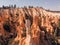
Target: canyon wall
[28, 26]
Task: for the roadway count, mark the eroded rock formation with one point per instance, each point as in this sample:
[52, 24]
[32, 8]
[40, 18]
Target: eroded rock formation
[28, 26]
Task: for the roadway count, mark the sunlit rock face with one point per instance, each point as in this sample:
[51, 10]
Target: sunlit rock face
[27, 26]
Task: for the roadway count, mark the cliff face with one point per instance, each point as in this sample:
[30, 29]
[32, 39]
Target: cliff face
[28, 26]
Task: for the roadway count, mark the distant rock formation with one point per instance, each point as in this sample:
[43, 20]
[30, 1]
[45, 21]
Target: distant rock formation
[28, 26]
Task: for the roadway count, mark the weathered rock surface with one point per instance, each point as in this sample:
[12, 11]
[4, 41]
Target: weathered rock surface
[28, 26]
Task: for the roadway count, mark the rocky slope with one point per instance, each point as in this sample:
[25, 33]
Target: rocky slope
[29, 26]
